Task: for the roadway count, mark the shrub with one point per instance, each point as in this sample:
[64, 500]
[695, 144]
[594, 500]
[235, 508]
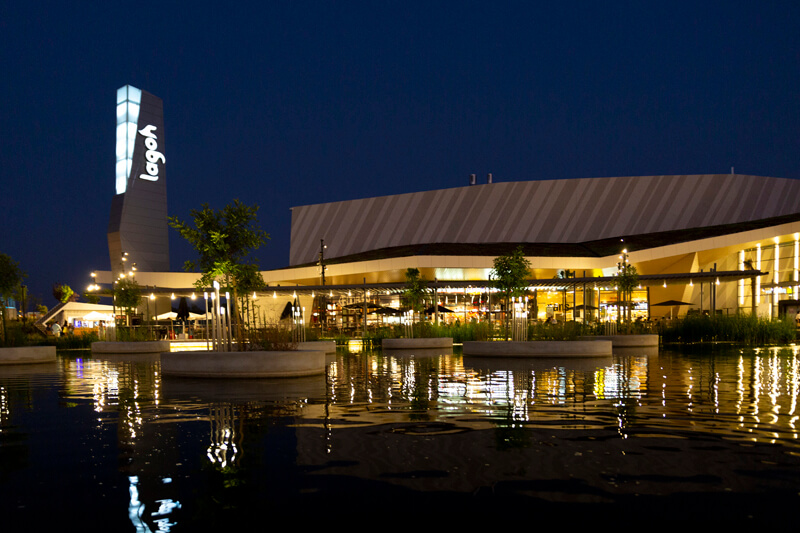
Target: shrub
[273, 338]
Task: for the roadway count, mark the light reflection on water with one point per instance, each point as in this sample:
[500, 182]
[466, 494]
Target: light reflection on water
[658, 425]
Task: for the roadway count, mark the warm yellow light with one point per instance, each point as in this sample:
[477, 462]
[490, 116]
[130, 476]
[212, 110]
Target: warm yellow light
[192, 296]
[152, 296]
[172, 297]
[274, 294]
[254, 295]
[665, 284]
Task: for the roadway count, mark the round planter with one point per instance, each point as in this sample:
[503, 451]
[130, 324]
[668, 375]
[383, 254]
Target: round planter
[202, 364]
[413, 344]
[130, 347]
[325, 346]
[625, 341]
[24, 355]
[538, 348]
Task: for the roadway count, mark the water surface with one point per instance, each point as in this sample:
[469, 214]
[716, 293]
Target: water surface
[109, 444]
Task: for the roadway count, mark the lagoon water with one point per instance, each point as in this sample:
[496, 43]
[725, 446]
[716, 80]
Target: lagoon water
[108, 444]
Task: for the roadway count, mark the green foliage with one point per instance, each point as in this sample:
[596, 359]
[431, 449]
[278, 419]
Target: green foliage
[136, 334]
[740, 328]
[41, 309]
[508, 276]
[127, 295]
[73, 342]
[563, 331]
[10, 278]
[91, 297]
[64, 293]
[414, 292]
[10, 275]
[627, 278]
[275, 338]
[224, 240]
[510, 273]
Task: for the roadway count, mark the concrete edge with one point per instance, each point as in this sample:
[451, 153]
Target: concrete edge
[411, 344]
[22, 355]
[262, 364]
[130, 347]
[327, 346]
[632, 341]
[550, 349]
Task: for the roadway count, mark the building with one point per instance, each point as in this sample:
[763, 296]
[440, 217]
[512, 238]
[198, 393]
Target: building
[700, 239]
[137, 228]
[719, 243]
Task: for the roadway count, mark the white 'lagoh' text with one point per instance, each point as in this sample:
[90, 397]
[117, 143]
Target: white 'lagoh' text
[152, 155]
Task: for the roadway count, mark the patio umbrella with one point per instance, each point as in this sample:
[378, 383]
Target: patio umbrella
[442, 309]
[172, 315]
[370, 305]
[671, 303]
[389, 311]
[581, 307]
[183, 309]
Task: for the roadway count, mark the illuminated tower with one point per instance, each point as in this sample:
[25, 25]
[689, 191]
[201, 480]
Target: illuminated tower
[137, 228]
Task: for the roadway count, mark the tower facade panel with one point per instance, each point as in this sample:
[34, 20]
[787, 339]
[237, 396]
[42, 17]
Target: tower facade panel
[137, 229]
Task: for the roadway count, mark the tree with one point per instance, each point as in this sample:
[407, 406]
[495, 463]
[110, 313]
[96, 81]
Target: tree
[627, 280]
[91, 297]
[10, 278]
[127, 295]
[509, 275]
[64, 293]
[224, 240]
[21, 296]
[414, 292]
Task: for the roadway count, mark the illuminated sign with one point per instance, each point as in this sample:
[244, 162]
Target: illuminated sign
[152, 154]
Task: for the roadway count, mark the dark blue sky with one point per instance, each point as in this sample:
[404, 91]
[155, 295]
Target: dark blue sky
[293, 103]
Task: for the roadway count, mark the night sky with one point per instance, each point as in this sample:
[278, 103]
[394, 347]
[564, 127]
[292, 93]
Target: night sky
[292, 103]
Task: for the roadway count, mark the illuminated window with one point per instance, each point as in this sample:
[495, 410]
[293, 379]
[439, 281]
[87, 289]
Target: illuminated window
[128, 102]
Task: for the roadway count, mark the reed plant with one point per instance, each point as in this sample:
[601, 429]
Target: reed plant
[563, 331]
[271, 338]
[739, 328]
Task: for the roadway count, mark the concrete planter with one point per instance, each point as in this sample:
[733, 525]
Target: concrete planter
[130, 347]
[413, 344]
[24, 355]
[325, 346]
[625, 341]
[549, 349]
[202, 364]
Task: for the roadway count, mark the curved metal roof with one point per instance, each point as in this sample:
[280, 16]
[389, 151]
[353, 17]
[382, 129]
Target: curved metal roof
[549, 212]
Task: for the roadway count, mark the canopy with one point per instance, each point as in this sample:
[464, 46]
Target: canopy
[96, 316]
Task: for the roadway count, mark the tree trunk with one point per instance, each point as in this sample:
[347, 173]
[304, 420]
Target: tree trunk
[507, 318]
